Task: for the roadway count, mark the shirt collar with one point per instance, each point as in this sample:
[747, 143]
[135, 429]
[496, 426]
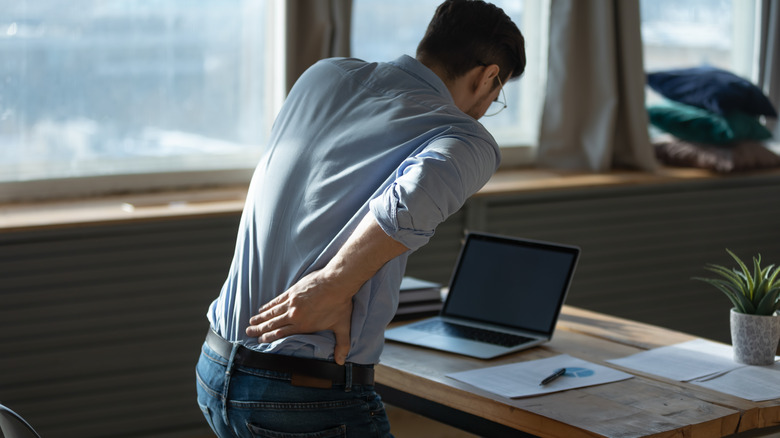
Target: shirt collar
[423, 73]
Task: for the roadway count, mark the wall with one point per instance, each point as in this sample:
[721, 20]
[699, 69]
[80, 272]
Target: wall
[101, 325]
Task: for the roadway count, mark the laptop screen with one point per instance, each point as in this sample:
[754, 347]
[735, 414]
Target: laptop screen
[515, 283]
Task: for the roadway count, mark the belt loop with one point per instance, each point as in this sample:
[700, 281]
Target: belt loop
[225, 389]
[348, 377]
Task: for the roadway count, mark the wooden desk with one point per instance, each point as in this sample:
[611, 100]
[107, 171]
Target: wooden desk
[644, 406]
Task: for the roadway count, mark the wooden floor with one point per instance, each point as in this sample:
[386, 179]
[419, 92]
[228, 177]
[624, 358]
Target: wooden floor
[405, 424]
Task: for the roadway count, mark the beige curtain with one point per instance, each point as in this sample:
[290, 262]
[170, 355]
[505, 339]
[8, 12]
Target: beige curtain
[594, 117]
[769, 58]
[316, 29]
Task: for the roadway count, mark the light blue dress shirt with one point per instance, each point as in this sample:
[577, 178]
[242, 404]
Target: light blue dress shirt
[351, 138]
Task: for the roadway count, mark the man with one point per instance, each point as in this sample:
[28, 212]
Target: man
[364, 161]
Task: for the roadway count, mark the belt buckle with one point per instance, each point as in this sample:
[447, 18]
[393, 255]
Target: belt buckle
[310, 382]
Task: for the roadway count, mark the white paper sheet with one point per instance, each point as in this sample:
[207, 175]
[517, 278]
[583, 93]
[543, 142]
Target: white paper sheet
[682, 362]
[522, 379]
[753, 383]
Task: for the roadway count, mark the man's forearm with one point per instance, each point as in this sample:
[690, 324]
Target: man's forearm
[364, 253]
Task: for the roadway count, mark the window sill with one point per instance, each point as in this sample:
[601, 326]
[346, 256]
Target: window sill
[532, 180]
[230, 200]
[120, 209]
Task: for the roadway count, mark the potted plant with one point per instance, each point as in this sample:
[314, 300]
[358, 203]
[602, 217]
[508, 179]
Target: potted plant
[755, 323]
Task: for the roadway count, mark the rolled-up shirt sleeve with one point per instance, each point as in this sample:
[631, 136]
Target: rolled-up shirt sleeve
[432, 185]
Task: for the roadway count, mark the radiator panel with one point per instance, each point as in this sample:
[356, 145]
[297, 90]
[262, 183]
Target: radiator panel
[102, 326]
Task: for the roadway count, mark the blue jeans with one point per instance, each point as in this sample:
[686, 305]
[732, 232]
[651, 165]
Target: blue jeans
[250, 402]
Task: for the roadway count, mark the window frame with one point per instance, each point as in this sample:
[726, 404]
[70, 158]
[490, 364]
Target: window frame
[535, 28]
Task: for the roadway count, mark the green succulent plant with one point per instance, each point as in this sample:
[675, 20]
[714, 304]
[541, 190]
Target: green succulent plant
[755, 293]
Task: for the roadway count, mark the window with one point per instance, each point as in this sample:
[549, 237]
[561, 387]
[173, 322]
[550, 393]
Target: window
[116, 87]
[679, 34]
[383, 30]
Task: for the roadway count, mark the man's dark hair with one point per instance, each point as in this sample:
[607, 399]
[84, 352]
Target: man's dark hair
[464, 34]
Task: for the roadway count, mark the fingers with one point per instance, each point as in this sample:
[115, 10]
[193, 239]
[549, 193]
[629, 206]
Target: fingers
[342, 333]
[341, 351]
[273, 321]
[269, 312]
[275, 335]
[263, 324]
[268, 332]
[254, 331]
[274, 302]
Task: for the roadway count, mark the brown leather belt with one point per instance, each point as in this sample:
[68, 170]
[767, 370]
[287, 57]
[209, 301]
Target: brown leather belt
[313, 373]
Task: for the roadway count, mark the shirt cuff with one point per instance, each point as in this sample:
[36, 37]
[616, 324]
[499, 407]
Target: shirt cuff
[385, 211]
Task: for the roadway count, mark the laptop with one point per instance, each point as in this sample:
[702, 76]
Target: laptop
[505, 295]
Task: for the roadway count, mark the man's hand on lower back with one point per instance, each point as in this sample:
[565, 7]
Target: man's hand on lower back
[309, 306]
[322, 300]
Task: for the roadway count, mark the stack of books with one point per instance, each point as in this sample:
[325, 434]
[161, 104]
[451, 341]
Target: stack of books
[418, 298]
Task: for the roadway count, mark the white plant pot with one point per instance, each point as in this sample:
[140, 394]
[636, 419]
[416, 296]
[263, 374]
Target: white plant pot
[755, 337]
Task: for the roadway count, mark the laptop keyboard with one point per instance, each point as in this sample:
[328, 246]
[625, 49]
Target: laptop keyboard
[472, 333]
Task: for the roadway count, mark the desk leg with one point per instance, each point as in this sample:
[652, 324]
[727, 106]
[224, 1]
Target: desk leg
[447, 415]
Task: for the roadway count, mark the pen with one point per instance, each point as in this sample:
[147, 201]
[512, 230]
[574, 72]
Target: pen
[553, 376]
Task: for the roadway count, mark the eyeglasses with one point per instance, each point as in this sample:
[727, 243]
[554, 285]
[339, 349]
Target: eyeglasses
[499, 104]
